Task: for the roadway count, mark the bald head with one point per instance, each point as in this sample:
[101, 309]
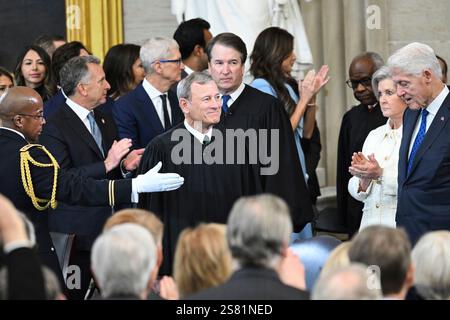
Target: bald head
[21, 109]
[18, 100]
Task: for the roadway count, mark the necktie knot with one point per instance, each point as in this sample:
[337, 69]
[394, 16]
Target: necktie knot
[225, 99]
[206, 140]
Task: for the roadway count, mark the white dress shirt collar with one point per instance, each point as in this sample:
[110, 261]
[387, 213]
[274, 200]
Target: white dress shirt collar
[188, 70]
[434, 106]
[197, 134]
[152, 92]
[80, 111]
[234, 95]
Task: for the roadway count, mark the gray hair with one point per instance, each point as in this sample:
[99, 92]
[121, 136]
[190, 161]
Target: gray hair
[184, 86]
[258, 228]
[351, 282]
[373, 56]
[75, 71]
[155, 49]
[431, 261]
[122, 260]
[414, 58]
[381, 74]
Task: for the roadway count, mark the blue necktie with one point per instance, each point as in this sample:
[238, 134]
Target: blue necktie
[95, 131]
[418, 140]
[225, 99]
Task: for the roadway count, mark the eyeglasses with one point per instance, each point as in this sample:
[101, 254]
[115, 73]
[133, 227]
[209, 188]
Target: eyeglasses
[34, 116]
[177, 61]
[365, 82]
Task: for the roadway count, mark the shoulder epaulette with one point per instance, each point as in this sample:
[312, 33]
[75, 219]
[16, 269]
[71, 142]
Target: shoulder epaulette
[25, 160]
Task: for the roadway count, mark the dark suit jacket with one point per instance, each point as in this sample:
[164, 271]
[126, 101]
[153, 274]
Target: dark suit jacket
[68, 139]
[252, 284]
[25, 278]
[424, 195]
[137, 119]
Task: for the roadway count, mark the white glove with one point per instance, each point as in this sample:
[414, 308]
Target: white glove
[152, 181]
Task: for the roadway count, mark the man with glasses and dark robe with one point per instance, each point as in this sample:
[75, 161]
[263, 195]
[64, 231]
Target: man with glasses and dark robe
[356, 125]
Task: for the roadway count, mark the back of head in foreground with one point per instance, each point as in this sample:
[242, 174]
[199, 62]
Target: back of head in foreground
[352, 282]
[123, 261]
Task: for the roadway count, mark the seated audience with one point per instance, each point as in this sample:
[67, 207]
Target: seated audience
[123, 262]
[389, 251]
[202, 258]
[431, 261]
[347, 283]
[338, 258]
[258, 234]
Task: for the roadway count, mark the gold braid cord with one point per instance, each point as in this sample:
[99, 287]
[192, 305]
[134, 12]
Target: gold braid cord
[25, 159]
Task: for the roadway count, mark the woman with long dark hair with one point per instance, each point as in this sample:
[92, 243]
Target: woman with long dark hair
[123, 69]
[33, 70]
[272, 60]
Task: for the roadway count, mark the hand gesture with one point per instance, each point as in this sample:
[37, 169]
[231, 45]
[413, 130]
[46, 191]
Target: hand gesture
[292, 270]
[153, 181]
[365, 168]
[116, 153]
[133, 159]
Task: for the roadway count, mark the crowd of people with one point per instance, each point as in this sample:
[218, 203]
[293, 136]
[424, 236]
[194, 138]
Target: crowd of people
[162, 175]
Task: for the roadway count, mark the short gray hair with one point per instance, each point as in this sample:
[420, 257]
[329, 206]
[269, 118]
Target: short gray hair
[347, 283]
[381, 74]
[414, 58]
[431, 261]
[373, 56]
[184, 86]
[122, 260]
[155, 49]
[258, 228]
[75, 71]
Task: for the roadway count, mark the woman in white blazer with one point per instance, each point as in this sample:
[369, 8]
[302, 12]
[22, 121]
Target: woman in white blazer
[374, 170]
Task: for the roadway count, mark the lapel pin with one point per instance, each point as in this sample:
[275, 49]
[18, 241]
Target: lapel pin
[103, 120]
[442, 118]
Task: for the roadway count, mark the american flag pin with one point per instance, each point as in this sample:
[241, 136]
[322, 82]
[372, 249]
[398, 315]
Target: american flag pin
[103, 120]
[442, 118]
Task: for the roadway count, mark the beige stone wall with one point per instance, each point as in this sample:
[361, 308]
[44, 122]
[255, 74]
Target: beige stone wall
[144, 19]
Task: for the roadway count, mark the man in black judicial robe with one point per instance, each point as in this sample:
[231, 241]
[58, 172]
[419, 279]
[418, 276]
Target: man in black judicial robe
[210, 189]
[356, 125]
[247, 108]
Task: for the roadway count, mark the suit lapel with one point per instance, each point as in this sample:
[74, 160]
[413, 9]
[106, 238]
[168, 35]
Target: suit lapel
[80, 129]
[434, 130]
[147, 109]
[177, 115]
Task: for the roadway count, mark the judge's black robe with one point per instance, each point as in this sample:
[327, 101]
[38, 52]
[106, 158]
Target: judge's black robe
[208, 192]
[254, 109]
[356, 125]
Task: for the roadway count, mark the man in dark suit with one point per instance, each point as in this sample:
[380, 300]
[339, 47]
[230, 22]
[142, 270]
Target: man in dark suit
[424, 160]
[244, 107]
[356, 125]
[79, 136]
[192, 36]
[258, 234]
[151, 108]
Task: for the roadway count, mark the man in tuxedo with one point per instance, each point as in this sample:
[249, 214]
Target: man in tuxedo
[192, 36]
[79, 136]
[258, 235]
[356, 125]
[151, 108]
[424, 160]
[244, 107]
